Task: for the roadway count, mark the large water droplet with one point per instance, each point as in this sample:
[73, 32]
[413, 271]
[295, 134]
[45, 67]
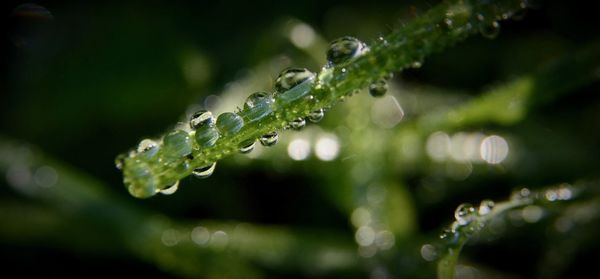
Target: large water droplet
[378, 88]
[204, 172]
[171, 189]
[345, 49]
[201, 118]
[177, 144]
[229, 123]
[485, 207]
[490, 30]
[291, 77]
[298, 124]
[139, 180]
[247, 147]
[269, 139]
[256, 98]
[464, 213]
[147, 148]
[316, 116]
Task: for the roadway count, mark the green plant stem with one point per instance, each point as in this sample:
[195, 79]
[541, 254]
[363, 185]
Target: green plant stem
[440, 27]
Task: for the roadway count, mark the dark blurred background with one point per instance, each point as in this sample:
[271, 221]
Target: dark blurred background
[85, 81]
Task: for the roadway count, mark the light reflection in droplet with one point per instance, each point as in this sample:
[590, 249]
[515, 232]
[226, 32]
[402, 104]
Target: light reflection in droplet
[327, 147]
[494, 149]
[299, 149]
[302, 35]
[365, 236]
[437, 146]
[200, 235]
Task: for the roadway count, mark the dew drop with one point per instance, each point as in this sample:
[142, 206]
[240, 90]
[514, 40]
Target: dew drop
[256, 98]
[291, 77]
[204, 172]
[147, 148]
[201, 118]
[177, 144]
[523, 194]
[298, 124]
[120, 161]
[449, 236]
[229, 123]
[316, 116]
[269, 139]
[490, 30]
[206, 136]
[139, 180]
[247, 147]
[464, 214]
[485, 207]
[171, 189]
[345, 49]
[378, 88]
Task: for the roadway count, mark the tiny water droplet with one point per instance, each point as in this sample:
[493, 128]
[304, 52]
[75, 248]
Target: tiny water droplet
[204, 172]
[378, 88]
[523, 194]
[464, 214]
[229, 123]
[269, 139]
[177, 144]
[139, 180]
[490, 30]
[298, 124]
[449, 235]
[247, 147]
[291, 77]
[120, 161]
[171, 189]
[416, 64]
[255, 98]
[316, 116]
[201, 118]
[345, 49]
[486, 207]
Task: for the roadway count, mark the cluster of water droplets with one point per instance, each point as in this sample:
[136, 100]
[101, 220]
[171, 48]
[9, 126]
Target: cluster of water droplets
[291, 96]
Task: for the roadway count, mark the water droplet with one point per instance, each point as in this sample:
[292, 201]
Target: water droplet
[345, 49]
[316, 116]
[139, 180]
[201, 118]
[378, 88]
[269, 139]
[147, 148]
[490, 30]
[291, 77]
[229, 123]
[449, 235]
[171, 189]
[523, 194]
[298, 124]
[247, 147]
[429, 252]
[256, 98]
[486, 207]
[177, 144]
[120, 161]
[204, 172]
[464, 214]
